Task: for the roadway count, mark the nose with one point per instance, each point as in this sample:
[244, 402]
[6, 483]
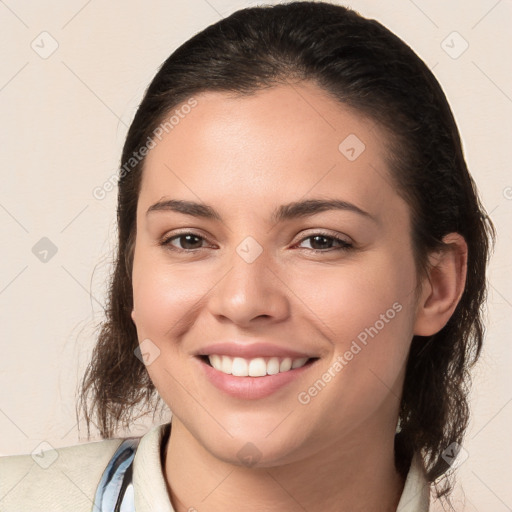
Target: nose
[250, 292]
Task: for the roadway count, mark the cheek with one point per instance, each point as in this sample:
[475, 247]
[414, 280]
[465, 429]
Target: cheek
[165, 300]
[164, 296]
[349, 298]
[344, 301]
[367, 314]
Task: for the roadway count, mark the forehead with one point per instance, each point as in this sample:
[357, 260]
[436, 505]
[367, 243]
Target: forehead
[288, 140]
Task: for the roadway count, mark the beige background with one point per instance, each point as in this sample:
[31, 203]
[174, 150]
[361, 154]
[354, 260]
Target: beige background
[63, 120]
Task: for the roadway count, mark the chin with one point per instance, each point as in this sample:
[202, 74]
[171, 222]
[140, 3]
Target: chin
[256, 451]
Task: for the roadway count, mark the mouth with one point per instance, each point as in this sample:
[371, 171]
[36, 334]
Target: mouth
[255, 367]
[252, 379]
[251, 371]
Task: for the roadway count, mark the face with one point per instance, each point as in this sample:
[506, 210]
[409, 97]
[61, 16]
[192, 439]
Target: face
[333, 283]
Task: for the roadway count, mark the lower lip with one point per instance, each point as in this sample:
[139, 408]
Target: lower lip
[251, 388]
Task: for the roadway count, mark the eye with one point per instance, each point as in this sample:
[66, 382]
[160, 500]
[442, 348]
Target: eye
[319, 242]
[324, 243]
[188, 242]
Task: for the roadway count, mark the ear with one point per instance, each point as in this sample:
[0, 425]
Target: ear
[133, 316]
[443, 287]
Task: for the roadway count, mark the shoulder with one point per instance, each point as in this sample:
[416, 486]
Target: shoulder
[54, 479]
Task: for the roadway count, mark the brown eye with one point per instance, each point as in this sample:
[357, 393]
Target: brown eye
[323, 243]
[187, 242]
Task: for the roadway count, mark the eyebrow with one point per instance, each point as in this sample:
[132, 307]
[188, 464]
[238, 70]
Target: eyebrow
[284, 212]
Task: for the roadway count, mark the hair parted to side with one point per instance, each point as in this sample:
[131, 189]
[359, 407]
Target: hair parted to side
[366, 67]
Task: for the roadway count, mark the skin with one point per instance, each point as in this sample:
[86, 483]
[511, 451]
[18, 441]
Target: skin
[245, 157]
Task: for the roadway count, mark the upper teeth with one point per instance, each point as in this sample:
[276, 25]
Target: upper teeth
[257, 367]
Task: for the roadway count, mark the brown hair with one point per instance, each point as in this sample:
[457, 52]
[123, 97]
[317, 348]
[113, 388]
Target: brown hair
[365, 66]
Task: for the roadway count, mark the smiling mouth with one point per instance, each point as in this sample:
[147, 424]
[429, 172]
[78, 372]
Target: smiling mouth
[255, 367]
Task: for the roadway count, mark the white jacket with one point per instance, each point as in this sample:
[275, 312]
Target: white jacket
[67, 479]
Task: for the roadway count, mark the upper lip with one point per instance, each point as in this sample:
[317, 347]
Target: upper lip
[250, 350]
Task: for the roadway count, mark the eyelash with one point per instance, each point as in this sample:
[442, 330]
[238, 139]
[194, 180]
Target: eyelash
[344, 245]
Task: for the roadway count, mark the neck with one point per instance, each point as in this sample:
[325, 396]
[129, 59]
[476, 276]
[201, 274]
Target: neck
[359, 476]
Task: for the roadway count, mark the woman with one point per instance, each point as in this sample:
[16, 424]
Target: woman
[300, 276]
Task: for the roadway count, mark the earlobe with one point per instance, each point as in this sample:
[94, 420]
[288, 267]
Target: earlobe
[133, 316]
[443, 287]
